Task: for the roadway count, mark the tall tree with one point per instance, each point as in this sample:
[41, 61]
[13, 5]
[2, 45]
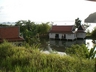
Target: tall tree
[31, 31]
[77, 22]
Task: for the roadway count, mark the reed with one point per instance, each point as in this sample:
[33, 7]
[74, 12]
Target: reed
[22, 59]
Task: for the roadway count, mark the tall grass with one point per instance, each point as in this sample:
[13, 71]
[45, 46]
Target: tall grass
[21, 59]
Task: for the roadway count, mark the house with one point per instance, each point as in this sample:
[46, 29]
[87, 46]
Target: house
[10, 33]
[81, 32]
[63, 32]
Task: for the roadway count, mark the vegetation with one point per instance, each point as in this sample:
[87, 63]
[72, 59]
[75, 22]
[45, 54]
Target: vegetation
[2, 25]
[93, 34]
[29, 58]
[88, 33]
[81, 51]
[77, 22]
[22, 59]
[32, 31]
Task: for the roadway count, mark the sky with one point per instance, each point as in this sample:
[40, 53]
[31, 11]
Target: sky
[45, 10]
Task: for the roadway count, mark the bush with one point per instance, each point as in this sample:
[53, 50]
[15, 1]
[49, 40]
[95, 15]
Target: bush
[78, 51]
[21, 59]
[5, 49]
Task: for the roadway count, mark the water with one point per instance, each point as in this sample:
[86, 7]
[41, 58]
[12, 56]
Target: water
[61, 45]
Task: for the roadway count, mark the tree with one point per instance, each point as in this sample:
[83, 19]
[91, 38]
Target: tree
[93, 34]
[31, 31]
[88, 32]
[77, 22]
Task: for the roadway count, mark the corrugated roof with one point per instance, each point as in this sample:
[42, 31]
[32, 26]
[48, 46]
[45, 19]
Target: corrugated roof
[62, 29]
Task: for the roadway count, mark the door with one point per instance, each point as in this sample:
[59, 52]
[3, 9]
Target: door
[56, 36]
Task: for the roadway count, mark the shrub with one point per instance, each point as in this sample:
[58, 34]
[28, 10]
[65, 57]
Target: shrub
[21, 59]
[78, 51]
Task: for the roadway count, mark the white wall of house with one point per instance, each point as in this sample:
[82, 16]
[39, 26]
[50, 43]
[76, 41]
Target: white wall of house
[70, 36]
[52, 35]
[60, 36]
[75, 35]
[81, 35]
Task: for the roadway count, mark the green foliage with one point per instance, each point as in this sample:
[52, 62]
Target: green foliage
[92, 53]
[5, 49]
[81, 51]
[32, 31]
[78, 51]
[3, 25]
[77, 22]
[93, 34]
[21, 59]
[88, 33]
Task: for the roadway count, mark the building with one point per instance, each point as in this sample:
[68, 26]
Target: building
[67, 32]
[10, 33]
[81, 32]
[63, 32]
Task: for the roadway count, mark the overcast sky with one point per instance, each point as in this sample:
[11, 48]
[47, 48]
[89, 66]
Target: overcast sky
[45, 10]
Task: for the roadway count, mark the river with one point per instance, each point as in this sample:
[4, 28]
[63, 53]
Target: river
[61, 45]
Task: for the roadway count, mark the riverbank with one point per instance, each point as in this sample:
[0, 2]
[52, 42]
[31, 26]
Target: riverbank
[31, 59]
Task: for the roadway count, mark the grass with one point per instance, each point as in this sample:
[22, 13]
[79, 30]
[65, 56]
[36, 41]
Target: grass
[22, 59]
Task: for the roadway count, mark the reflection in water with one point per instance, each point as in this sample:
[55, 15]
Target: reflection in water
[60, 45]
[49, 48]
[52, 51]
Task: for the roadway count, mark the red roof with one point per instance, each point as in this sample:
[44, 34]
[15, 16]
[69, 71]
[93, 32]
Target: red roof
[62, 29]
[10, 33]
